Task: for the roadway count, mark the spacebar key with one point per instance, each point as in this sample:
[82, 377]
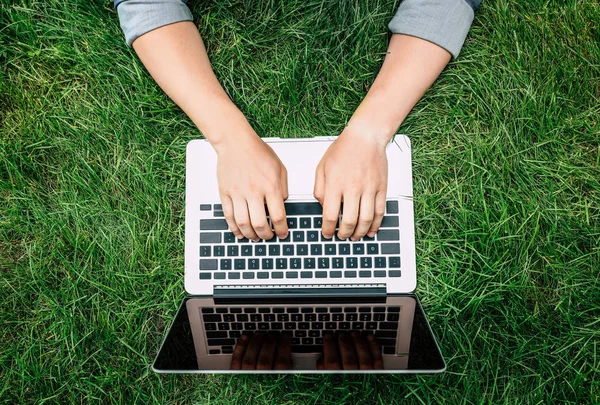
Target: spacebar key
[311, 208]
[307, 349]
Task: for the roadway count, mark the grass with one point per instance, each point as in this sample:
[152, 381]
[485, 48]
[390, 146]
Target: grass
[506, 177]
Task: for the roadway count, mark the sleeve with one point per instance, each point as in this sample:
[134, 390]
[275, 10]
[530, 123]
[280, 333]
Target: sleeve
[443, 22]
[138, 17]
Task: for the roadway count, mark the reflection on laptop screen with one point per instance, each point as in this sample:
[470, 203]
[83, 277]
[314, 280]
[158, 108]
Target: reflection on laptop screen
[206, 334]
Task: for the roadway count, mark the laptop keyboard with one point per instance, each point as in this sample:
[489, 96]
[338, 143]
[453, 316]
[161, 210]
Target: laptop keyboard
[306, 325]
[304, 254]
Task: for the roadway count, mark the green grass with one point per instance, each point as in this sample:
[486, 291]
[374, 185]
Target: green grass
[506, 177]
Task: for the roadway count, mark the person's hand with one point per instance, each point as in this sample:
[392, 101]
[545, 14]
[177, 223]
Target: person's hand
[354, 170]
[262, 352]
[251, 175]
[356, 352]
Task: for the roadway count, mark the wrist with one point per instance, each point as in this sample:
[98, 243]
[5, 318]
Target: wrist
[371, 130]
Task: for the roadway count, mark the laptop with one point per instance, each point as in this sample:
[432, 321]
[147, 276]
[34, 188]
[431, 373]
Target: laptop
[303, 286]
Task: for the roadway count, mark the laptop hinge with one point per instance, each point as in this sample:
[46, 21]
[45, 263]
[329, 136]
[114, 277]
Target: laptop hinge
[300, 290]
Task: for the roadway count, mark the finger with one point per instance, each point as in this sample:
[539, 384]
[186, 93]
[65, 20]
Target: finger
[238, 352]
[378, 213]
[362, 352]
[267, 353]
[375, 350]
[350, 215]
[320, 363]
[347, 352]
[319, 189]
[331, 212]
[284, 184]
[242, 219]
[251, 355]
[258, 218]
[229, 217]
[331, 360]
[277, 215]
[365, 216]
[284, 353]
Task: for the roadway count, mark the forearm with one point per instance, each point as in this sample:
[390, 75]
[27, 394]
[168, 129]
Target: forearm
[176, 58]
[409, 69]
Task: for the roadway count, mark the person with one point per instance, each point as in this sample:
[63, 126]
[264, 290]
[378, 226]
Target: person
[426, 35]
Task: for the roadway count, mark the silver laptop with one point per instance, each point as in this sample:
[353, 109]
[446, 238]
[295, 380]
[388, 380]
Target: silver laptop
[305, 285]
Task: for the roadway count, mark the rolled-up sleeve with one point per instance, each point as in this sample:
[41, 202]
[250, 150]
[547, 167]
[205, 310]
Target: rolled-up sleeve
[138, 17]
[443, 22]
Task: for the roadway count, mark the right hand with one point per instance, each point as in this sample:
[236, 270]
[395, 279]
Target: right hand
[251, 175]
[356, 352]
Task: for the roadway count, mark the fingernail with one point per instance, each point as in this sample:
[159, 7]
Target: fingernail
[327, 236]
[256, 240]
[371, 234]
[244, 337]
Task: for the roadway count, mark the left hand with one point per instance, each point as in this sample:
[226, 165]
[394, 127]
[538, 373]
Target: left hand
[354, 170]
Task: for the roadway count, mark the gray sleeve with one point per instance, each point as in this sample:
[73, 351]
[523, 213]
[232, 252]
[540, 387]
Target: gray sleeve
[443, 22]
[138, 17]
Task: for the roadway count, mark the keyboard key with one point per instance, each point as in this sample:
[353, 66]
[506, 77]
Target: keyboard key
[335, 274]
[250, 326]
[344, 248]
[390, 248]
[298, 236]
[321, 274]
[208, 264]
[210, 326]
[233, 250]
[392, 317]
[364, 317]
[306, 274]
[218, 207]
[223, 326]
[323, 263]
[392, 334]
[263, 326]
[358, 325]
[208, 310]
[220, 342]
[225, 264]
[388, 234]
[295, 263]
[371, 326]
[289, 325]
[379, 309]
[260, 250]
[309, 208]
[267, 264]
[219, 276]
[351, 262]
[337, 263]
[395, 273]
[344, 325]
[233, 276]
[395, 262]
[286, 239]
[296, 317]
[228, 237]
[205, 276]
[352, 317]
[216, 334]
[303, 325]
[310, 317]
[272, 240]
[218, 214]
[219, 250]
[274, 250]
[212, 318]
[247, 276]
[317, 222]
[239, 264]
[246, 250]
[368, 238]
[242, 317]
[337, 317]
[388, 325]
[309, 262]
[269, 317]
[316, 325]
[277, 274]
[364, 273]
[292, 223]
[281, 264]
[293, 310]
[372, 248]
[324, 317]
[205, 207]
[312, 236]
[291, 274]
[262, 275]
[391, 207]
[330, 249]
[228, 317]
[316, 250]
[205, 251]
[390, 222]
[358, 248]
[302, 250]
[288, 250]
[366, 263]
[213, 224]
[331, 325]
[253, 264]
[210, 237]
[304, 223]
[235, 334]
[306, 310]
[313, 333]
[380, 262]
[379, 273]
[255, 317]
[379, 317]
[350, 274]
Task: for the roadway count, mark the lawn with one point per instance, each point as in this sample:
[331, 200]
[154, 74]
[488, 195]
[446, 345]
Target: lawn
[506, 180]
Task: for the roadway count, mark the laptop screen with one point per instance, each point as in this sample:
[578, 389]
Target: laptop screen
[294, 335]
